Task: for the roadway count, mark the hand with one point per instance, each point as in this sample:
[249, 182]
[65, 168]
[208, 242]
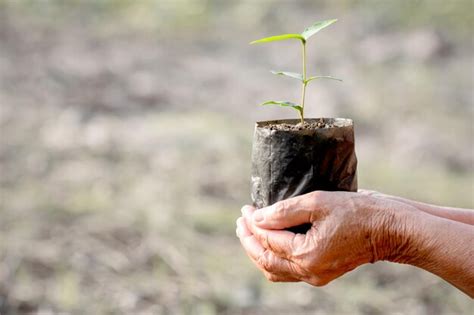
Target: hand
[346, 232]
[350, 229]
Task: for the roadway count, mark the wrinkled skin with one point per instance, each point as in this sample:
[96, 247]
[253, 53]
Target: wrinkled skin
[351, 229]
[456, 214]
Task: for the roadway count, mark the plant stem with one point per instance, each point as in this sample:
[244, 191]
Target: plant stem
[303, 92]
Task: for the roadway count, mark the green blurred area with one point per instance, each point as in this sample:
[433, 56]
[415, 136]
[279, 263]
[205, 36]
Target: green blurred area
[125, 139]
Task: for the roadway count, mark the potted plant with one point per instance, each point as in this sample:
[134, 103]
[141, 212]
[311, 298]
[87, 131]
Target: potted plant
[291, 157]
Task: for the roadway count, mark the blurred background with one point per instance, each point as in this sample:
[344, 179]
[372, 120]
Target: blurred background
[125, 140]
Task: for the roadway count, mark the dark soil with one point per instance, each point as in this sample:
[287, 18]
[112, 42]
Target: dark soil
[300, 126]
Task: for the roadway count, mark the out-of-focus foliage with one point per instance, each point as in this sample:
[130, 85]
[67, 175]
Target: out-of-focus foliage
[125, 138]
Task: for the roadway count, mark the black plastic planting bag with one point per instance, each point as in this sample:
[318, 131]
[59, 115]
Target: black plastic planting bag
[288, 163]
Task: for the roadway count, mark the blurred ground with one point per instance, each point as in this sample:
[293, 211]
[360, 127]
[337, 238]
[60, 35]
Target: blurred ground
[125, 137]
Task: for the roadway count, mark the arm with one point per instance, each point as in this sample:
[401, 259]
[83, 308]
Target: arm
[351, 229]
[441, 246]
[451, 213]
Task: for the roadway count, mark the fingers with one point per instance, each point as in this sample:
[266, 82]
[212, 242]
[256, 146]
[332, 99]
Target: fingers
[281, 242]
[279, 278]
[274, 267]
[288, 213]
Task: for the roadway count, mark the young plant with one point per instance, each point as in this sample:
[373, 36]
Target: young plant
[303, 37]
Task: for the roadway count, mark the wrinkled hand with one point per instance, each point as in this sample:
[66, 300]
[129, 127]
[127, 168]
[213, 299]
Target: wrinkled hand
[343, 233]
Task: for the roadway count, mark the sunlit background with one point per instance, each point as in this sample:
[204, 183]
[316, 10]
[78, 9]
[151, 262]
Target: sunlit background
[125, 139]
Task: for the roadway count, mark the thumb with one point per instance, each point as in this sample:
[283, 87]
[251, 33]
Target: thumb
[284, 214]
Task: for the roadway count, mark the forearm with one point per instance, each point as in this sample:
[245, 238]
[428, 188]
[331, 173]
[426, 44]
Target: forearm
[456, 214]
[440, 246]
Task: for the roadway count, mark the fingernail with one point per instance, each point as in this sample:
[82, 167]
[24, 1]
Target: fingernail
[258, 216]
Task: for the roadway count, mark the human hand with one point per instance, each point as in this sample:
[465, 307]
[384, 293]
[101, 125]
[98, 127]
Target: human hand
[347, 231]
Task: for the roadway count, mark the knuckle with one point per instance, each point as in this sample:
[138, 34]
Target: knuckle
[303, 261]
[267, 262]
[318, 195]
[263, 238]
[263, 262]
[315, 193]
[281, 209]
[297, 248]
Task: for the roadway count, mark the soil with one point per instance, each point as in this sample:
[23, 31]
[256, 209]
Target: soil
[300, 126]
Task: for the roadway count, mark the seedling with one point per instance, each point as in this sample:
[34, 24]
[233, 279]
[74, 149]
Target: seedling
[303, 37]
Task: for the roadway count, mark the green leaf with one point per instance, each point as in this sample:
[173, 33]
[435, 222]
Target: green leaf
[278, 37]
[322, 77]
[293, 75]
[284, 104]
[316, 27]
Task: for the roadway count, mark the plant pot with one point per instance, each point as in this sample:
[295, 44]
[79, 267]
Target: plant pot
[288, 163]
